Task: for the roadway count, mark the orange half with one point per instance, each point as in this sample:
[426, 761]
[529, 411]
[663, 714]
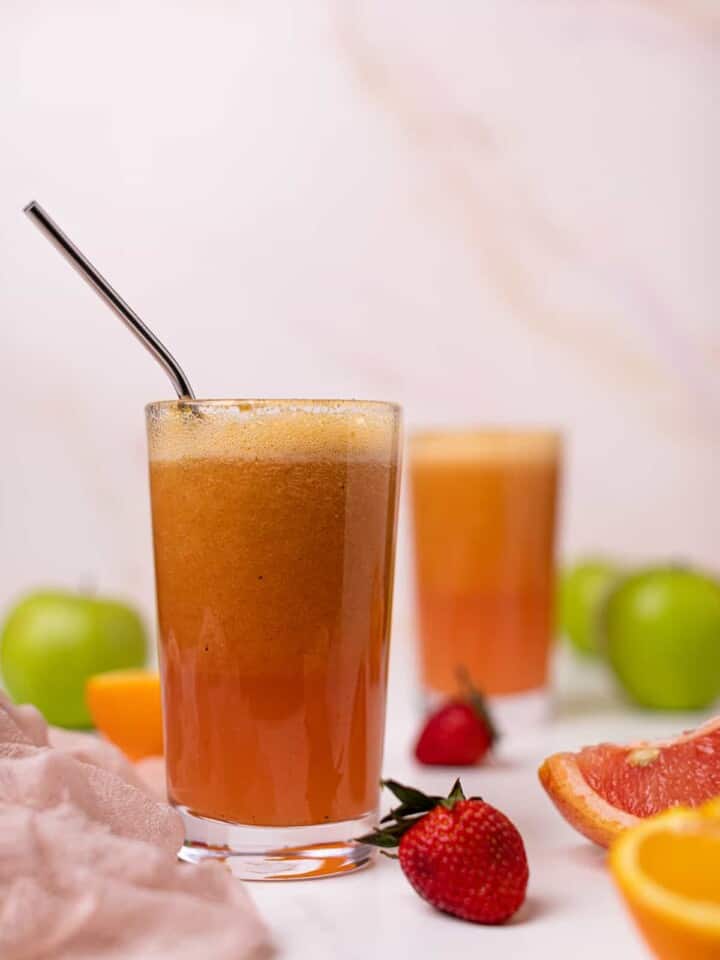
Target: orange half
[668, 871]
[125, 706]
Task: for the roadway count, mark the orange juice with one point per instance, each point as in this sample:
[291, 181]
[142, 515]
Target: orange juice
[484, 523]
[274, 529]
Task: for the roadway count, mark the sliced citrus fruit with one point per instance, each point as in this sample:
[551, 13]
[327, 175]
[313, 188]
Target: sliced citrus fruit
[668, 870]
[605, 789]
[125, 707]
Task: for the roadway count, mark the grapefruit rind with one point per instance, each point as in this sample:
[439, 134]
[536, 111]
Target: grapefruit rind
[579, 804]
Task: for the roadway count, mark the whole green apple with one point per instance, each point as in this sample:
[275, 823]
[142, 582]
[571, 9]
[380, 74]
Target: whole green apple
[53, 641]
[662, 635]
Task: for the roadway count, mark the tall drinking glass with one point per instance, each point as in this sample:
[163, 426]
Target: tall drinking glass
[274, 539]
[484, 505]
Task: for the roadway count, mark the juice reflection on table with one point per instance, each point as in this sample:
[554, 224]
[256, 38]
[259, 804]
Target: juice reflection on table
[484, 507]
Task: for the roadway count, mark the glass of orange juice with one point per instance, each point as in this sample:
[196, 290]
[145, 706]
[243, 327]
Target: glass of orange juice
[274, 539]
[484, 511]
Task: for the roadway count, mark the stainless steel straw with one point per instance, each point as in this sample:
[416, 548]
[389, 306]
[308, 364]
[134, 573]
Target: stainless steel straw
[112, 298]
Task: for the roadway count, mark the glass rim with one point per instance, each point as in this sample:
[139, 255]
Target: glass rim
[485, 444]
[250, 403]
[488, 433]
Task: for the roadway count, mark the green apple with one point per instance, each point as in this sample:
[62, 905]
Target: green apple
[582, 590]
[53, 641]
[662, 633]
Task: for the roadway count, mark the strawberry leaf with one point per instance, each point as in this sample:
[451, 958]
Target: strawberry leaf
[412, 800]
[379, 838]
[454, 796]
[413, 807]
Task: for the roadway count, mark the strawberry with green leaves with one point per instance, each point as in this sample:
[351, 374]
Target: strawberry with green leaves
[460, 732]
[461, 855]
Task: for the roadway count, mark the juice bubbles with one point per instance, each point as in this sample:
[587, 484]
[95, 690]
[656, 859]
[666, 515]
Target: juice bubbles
[484, 522]
[274, 534]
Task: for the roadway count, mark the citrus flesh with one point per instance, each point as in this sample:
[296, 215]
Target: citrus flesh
[125, 706]
[605, 789]
[668, 870]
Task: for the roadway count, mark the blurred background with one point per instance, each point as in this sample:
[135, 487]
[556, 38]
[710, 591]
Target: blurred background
[498, 216]
[495, 212]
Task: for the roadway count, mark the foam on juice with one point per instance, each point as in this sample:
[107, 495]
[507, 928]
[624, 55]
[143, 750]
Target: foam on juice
[262, 429]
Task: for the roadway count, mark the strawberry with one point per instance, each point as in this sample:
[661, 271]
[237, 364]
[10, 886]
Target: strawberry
[459, 733]
[463, 856]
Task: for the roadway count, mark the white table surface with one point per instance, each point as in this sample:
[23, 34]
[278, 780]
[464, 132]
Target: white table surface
[572, 909]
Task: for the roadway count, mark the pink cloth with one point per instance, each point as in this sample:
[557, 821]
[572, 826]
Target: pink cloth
[87, 860]
[151, 772]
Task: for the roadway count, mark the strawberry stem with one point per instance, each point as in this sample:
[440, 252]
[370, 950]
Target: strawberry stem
[477, 701]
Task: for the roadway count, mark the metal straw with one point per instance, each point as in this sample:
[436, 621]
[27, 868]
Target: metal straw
[113, 299]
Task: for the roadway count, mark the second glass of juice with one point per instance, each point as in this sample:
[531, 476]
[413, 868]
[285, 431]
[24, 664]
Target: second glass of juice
[274, 538]
[484, 508]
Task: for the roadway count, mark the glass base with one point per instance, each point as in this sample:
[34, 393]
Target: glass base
[278, 853]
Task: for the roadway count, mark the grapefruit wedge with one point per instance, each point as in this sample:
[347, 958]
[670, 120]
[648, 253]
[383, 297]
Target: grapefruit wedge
[605, 789]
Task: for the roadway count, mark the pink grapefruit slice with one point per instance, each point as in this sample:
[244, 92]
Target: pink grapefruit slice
[604, 789]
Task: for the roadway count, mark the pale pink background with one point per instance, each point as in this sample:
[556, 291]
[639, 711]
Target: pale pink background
[492, 212]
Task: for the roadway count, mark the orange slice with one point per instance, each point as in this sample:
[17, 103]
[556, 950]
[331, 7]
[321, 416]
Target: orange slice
[126, 708]
[668, 870]
[605, 789]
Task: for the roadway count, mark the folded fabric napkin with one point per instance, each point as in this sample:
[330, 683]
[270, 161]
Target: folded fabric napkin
[87, 860]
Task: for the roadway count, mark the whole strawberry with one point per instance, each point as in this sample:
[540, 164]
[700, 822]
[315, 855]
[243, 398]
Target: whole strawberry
[459, 733]
[462, 856]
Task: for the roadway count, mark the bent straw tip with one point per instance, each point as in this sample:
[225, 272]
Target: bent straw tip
[30, 207]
